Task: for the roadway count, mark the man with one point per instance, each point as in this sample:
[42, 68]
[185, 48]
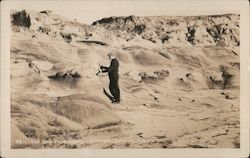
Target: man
[113, 78]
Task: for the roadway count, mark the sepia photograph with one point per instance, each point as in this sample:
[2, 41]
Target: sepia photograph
[124, 77]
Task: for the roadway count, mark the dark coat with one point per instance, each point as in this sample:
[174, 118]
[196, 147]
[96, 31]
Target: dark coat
[113, 72]
[113, 69]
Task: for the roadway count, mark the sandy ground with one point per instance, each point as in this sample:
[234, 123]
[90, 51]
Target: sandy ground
[168, 97]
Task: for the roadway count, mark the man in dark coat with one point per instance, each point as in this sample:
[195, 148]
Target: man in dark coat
[113, 70]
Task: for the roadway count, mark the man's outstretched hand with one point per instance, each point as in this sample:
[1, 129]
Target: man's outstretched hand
[102, 68]
[98, 72]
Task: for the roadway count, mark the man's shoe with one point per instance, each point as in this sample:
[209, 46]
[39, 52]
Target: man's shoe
[115, 102]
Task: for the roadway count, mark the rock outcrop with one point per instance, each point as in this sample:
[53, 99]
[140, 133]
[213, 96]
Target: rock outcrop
[220, 30]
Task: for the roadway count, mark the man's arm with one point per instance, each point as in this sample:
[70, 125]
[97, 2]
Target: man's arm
[104, 68]
[114, 63]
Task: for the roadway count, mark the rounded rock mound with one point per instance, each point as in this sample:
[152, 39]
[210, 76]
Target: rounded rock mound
[86, 109]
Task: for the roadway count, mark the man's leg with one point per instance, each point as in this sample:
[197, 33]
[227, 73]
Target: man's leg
[115, 91]
[111, 89]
